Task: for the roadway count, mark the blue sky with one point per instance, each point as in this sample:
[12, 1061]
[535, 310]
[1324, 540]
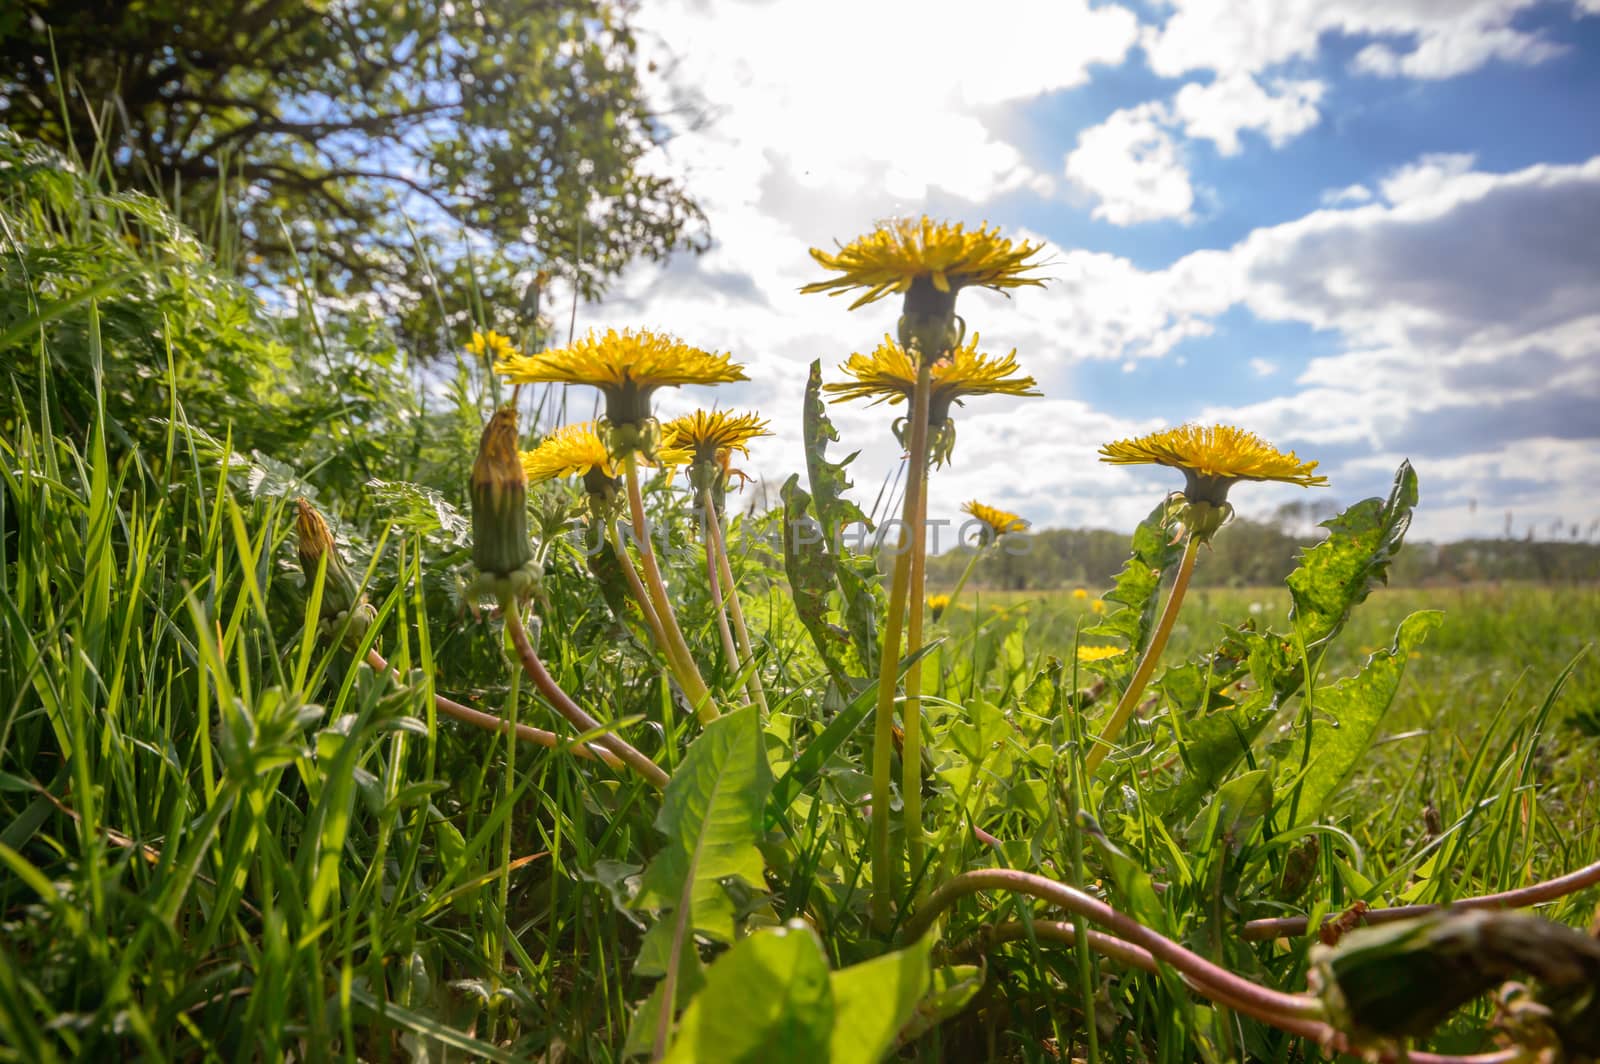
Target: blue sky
[1365, 229]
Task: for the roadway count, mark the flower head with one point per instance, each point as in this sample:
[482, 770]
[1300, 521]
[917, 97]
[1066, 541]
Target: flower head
[900, 251]
[930, 262]
[1092, 653]
[1079, 593]
[997, 522]
[492, 346]
[705, 441]
[627, 367]
[889, 375]
[937, 604]
[708, 434]
[1097, 605]
[1212, 459]
[572, 451]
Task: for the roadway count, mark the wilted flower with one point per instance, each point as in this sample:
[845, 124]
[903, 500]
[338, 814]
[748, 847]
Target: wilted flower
[343, 605]
[502, 551]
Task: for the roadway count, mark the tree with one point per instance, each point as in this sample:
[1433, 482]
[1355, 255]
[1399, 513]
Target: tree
[326, 125]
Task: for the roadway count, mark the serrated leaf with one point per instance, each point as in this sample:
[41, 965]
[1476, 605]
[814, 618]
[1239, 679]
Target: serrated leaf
[1134, 887]
[711, 815]
[1139, 583]
[1357, 705]
[812, 578]
[1337, 574]
[1233, 814]
[768, 999]
[873, 1000]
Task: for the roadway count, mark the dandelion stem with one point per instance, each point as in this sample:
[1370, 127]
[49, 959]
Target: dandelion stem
[740, 630]
[955, 592]
[490, 722]
[641, 597]
[1147, 664]
[883, 857]
[911, 708]
[1139, 957]
[720, 599]
[689, 678]
[569, 709]
[1521, 898]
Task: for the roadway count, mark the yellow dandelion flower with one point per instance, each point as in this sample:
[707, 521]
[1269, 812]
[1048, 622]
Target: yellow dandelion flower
[1089, 653]
[627, 367]
[1212, 460]
[1097, 606]
[899, 252]
[706, 435]
[937, 604]
[1079, 593]
[889, 375]
[492, 346]
[570, 451]
[998, 522]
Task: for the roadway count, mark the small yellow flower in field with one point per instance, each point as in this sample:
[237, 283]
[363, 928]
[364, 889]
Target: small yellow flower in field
[627, 367]
[492, 346]
[888, 375]
[937, 604]
[1089, 653]
[998, 522]
[929, 262]
[1097, 606]
[1079, 593]
[1212, 460]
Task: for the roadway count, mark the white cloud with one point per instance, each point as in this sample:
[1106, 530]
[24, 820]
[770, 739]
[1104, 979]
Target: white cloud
[1425, 176]
[1440, 38]
[1263, 367]
[1335, 197]
[1220, 110]
[1132, 167]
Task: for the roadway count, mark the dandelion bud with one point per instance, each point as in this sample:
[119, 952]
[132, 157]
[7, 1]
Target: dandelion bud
[343, 605]
[502, 551]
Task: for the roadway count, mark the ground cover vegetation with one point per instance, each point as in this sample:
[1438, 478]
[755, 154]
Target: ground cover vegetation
[340, 718]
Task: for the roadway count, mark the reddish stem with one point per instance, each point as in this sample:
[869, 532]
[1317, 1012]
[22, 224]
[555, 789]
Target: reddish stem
[490, 722]
[574, 713]
[1521, 898]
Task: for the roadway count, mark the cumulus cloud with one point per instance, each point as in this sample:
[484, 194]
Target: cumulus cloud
[1417, 38]
[1132, 168]
[1335, 197]
[1221, 110]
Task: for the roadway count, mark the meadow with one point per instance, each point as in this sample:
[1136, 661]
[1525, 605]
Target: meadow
[344, 719]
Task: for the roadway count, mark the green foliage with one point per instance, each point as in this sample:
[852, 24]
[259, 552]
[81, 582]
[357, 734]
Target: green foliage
[1337, 574]
[221, 837]
[711, 815]
[344, 122]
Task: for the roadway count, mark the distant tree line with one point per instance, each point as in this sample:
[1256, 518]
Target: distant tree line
[1261, 553]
